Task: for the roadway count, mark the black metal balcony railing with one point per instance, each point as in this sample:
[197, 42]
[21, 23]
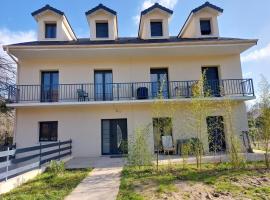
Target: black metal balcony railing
[125, 91]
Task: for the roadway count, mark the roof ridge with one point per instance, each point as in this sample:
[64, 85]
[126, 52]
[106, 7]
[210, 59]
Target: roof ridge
[47, 7]
[100, 6]
[156, 5]
[207, 4]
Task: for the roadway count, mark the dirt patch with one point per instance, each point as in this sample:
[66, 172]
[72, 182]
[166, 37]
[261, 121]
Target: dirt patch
[188, 190]
[184, 190]
[198, 191]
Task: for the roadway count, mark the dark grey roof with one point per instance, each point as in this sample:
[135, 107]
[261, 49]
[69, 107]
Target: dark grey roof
[207, 4]
[123, 40]
[47, 7]
[156, 5]
[100, 6]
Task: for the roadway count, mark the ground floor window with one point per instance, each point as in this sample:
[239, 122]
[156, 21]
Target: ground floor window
[48, 131]
[161, 127]
[216, 135]
[114, 136]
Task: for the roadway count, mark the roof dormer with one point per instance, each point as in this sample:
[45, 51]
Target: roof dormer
[53, 25]
[154, 22]
[202, 22]
[103, 23]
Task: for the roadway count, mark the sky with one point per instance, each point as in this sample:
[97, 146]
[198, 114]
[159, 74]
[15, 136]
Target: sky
[240, 19]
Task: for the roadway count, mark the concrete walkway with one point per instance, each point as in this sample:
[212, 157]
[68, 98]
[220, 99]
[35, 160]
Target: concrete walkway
[102, 183]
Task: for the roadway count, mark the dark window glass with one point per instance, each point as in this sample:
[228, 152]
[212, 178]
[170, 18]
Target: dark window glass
[156, 29]
[49, 86]
[50, 30]
[48, 131]
[102, 30]
[103, 85]
[205, 27]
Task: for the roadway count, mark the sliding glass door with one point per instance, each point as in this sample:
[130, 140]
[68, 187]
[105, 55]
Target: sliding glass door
[159, 82]
[103, 85]
[49, 86]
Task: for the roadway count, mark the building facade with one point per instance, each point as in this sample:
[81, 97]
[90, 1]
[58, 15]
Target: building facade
[97, 91]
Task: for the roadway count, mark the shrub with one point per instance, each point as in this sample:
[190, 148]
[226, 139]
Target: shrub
[139, 153]
[56, 168]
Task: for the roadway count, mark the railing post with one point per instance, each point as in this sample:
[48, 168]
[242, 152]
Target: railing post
[59, 149]
[132, 90]
[187, 89]
[40, 148]
[70, 145]
[118, 91]
[7, 164]
[252, 86]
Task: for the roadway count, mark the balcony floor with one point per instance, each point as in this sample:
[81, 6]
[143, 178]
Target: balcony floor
[123, 102]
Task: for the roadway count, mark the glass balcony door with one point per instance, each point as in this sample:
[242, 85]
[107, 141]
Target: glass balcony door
[211, 84]
[159, 82]
[114, 136]
[49, 86]
[103, 85]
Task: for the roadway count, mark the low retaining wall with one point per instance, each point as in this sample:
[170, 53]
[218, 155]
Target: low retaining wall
[6, 186]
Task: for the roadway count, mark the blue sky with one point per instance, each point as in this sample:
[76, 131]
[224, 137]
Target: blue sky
[241, 18]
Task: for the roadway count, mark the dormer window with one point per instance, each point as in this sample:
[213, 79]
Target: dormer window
[102, 30]
[156, 29]
[50, 30]
[205, 27]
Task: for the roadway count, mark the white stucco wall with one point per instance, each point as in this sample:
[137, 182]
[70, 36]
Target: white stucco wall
[82, 124]
[129, 70]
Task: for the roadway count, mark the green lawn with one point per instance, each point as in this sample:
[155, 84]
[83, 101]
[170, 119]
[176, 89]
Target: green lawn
[48, 186]
[214, 180]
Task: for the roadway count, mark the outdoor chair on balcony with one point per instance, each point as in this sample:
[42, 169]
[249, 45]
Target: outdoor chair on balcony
[167, 144]
[82, 95]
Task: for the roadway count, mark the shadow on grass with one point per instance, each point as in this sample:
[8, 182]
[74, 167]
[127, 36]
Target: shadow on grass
[48, 186]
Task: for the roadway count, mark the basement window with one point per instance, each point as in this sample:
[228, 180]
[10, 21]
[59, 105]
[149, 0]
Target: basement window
[205, 27]
[48, 131]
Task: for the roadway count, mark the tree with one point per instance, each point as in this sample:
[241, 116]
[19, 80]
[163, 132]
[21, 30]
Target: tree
[139, 153]
[200, 109]
[264, 104]
[7, 78]
[163, 112]
[234, 146]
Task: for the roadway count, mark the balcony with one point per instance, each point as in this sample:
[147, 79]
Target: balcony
[126, 91]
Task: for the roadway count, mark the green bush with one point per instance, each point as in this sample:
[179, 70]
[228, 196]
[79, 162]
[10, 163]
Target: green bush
[139, 153]
[56, 167]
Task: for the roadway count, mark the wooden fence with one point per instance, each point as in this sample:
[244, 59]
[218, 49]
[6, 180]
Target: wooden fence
[25, 159]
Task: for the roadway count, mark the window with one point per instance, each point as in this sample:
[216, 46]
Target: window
[205, 27]
[48, 131]
[161, 127]
[156, 29]
[102, 30]
[50, 30]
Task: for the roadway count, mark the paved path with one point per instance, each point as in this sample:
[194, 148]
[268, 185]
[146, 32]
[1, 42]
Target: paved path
[102, 183]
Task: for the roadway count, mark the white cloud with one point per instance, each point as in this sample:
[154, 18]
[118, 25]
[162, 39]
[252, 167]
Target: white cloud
[147, 3]
[10, 37]
[255, 55]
